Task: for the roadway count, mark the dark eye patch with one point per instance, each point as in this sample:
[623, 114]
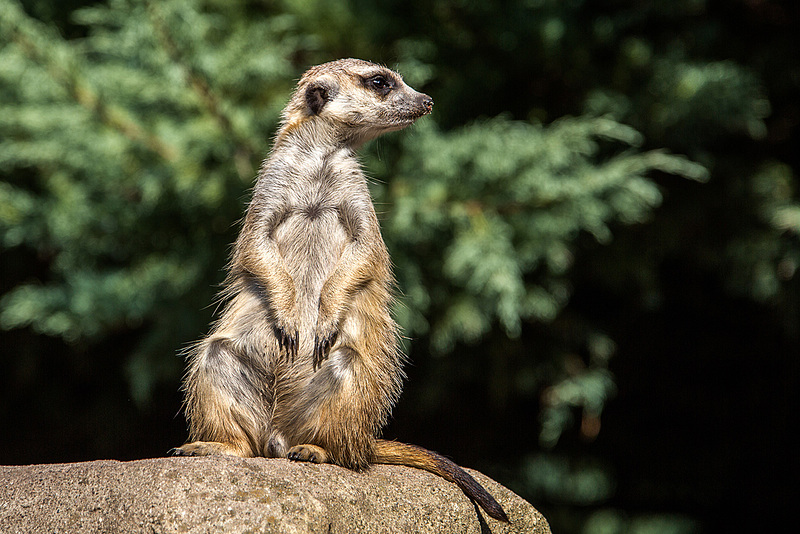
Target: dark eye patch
[380, 83]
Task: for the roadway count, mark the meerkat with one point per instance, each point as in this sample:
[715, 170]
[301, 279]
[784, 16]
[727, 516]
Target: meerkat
[303, 362]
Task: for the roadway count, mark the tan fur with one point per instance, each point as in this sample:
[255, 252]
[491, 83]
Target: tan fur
[303, 362]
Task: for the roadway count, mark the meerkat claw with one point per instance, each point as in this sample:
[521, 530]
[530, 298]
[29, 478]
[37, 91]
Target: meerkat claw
[322, 348]
[288, 343]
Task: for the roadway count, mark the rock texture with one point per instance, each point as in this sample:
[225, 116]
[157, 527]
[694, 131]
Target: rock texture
[232, 495]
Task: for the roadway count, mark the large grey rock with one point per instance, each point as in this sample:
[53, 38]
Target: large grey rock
[221, 494]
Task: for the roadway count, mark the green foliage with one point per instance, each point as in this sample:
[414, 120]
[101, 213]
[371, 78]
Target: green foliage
[758, 263]
[127, 154]
[561, 479]
[137, 142]
[507, 201]
[609, 521]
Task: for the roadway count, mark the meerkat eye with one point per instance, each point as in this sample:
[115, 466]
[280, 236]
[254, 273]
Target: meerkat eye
[380, 83]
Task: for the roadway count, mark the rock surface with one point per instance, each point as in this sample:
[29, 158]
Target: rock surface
[222, 494]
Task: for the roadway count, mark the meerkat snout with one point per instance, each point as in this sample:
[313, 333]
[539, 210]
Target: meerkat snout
[426, 102]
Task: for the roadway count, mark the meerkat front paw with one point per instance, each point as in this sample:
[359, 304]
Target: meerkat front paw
[323, 343]
[288, 338]
[308, 453]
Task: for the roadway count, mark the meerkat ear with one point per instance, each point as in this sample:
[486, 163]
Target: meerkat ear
[318, 93]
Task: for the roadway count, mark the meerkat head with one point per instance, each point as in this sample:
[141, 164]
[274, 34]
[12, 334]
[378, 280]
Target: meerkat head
[356, 100]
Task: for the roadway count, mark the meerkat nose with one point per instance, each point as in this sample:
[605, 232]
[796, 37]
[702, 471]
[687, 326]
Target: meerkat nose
[427, 103]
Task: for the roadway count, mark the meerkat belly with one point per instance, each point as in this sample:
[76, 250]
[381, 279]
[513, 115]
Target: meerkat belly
[311, 241]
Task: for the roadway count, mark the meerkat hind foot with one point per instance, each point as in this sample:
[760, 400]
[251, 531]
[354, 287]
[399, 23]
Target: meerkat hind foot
[308, 453]
[205, 448]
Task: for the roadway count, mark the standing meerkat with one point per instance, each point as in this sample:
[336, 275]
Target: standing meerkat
[304, 362]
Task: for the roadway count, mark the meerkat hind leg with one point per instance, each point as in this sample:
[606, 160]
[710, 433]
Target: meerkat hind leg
[207, 448]
[308, 453]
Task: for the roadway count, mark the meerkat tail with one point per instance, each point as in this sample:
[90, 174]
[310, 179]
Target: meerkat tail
[396, 453]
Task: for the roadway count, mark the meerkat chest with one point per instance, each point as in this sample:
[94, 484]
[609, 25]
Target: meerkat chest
[312, 229]
[324, 210]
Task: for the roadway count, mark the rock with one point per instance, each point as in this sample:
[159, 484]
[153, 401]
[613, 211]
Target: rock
[224, 494]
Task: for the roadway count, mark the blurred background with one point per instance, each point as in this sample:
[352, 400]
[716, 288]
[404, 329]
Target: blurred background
[596, 234]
